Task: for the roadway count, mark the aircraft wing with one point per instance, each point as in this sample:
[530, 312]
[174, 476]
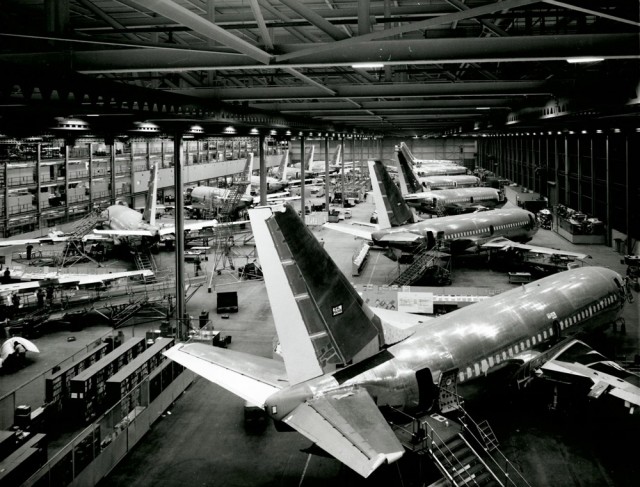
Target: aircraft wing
[248, 376]
[347, 424]
[125, 233]
[505, 243]
[43, 280]
[576, 362]
[199, 225]
[51, 239]
[400, 237]
[356, 232]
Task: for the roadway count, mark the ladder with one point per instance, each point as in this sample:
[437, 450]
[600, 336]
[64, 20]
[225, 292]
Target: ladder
[487, 435]
[74, 250]
[223, 237]
[439, 208]
[145, 261]
[461, 464]
[423, 259]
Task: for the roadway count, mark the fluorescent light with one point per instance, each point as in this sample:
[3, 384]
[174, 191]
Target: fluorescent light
[367, 66]
[483, 108]
[584, 59]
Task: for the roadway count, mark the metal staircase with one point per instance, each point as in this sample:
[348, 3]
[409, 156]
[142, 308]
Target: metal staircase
[145, 261]
[223, 237]
[424, 260]
[463, 466]
[488, 436]
[74, 250]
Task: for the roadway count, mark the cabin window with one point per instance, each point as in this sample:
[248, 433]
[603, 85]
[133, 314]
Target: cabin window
[544, 334]
[504, 355]
[491, 362]
[528, 343]
[522, 347]
[461, 376]
[516, 348]
[497, 359]
[533, 340]
[484, 365]
[469, 372]
[476, 366]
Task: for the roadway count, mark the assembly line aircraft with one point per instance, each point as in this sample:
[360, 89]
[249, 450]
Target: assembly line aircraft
[274, 185]
[340, 366]
[448, 201]
[458, 233]
[429, 168]
[317, 167]
[124, 223]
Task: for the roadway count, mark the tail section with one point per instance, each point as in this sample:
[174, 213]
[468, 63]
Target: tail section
[337, 156]
[406, 173]
[407, 153]
[248, 171]
[309, 158]
[392, 210]
[282, 169]
[320, 319]
[149, 214]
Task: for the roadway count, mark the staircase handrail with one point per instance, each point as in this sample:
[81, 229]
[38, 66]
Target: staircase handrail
[508, 463]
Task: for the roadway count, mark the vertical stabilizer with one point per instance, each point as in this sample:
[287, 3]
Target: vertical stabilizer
[392, 210]
[337, 156]
[407, 153]
[149, 214]
[282, 169]
[248, 172]
[308, 161]
[320, 318]
[406, 173]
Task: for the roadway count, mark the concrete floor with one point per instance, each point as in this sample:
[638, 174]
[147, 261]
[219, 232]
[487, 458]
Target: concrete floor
[203, 440]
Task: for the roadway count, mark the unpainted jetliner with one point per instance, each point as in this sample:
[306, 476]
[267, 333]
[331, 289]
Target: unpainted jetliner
[427, 168]
[416, 184]
[124, 224]
[340, 365]
[457, 234]
[315, 167]
[274, 185]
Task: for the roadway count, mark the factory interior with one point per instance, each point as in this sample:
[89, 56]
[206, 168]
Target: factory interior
[298, 242]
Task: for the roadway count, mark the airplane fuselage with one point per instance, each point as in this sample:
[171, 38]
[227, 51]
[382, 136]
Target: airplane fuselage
[450, 182]
[440, 170]
[468, 344]
[459, 232]
[121, 217]
[207, 196]
[273, 185]
[456, 199]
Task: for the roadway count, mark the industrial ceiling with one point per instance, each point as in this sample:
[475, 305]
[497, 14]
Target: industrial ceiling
[391, 67]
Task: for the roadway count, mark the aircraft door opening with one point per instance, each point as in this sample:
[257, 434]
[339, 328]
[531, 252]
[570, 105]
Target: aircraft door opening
[426, 388]
[448, 391]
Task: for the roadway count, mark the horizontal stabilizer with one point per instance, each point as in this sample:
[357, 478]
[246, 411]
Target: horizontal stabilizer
[349, 230]
[125, 233]
[347, 424]
[248, 376]
[400, 237]
[505, 243]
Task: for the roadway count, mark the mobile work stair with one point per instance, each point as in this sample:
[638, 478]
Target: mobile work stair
[223, 237]
[145, 261]
[74, 250]
[456, 450]
[424, 260]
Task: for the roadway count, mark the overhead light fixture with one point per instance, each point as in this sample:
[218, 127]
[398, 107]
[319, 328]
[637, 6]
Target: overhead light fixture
[254, 131]
[229, 130]
[483, 108]
[584, 59]
[368, 66]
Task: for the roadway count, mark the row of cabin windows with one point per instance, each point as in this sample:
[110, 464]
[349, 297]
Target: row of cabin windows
[481, 367]
[511, 225]
[468, 199]
[469, 233]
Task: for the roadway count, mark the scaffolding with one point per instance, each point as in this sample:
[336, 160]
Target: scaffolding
[428, 263]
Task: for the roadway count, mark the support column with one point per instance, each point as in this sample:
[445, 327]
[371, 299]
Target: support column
[66, 181]
[90, 179]
[327, 183]
[342, 172]
[180, 310]
[608, 196]
[38, 184]
[262, 140]
[302, 176]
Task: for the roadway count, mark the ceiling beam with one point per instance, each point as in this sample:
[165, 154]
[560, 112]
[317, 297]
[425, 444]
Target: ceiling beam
[412, 27]
[181, 15]
[589, 11]
[262, 27]
[389, 52]
[383, 90]
[315, 19]
[311, 107]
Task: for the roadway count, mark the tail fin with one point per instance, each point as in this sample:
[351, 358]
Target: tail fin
[392, 210]
[149, 214]
[407, 153]
[308, 160]
[337, 156]
[248, 171]
[320, 318]
[406, 173]
[282, 169]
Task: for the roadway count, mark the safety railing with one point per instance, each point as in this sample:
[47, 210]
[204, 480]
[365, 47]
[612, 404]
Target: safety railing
[14, 181]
